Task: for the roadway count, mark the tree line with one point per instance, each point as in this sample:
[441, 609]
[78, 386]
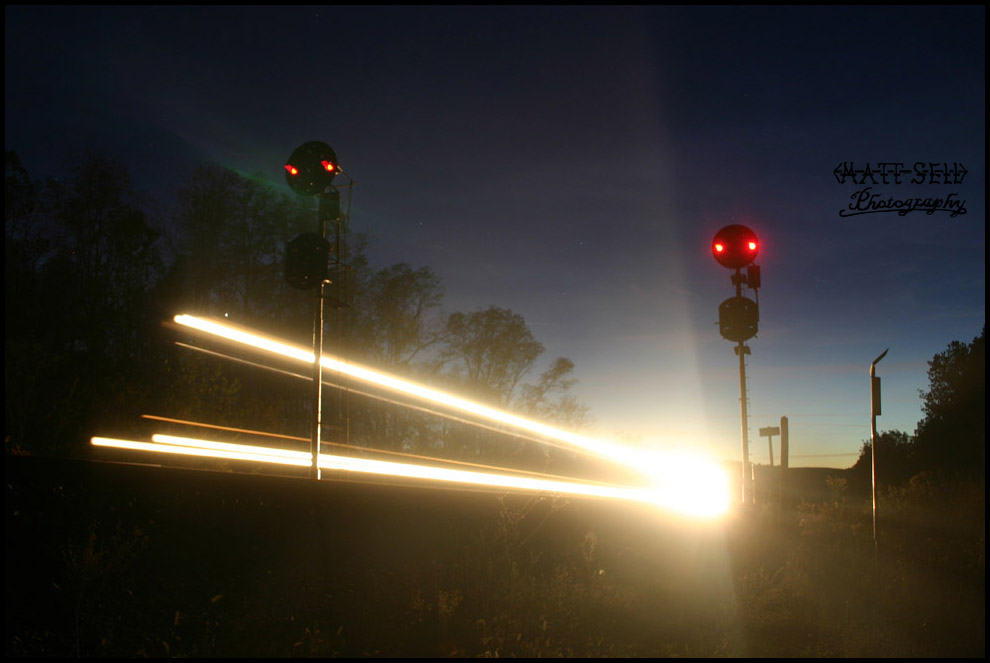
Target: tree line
[950, 438]
[93, 270]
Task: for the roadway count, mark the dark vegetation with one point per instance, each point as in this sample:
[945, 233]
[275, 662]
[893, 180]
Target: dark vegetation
[110, 560]
[91, 279]
[129, 560]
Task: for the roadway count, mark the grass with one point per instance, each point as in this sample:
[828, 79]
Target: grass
[112, 566]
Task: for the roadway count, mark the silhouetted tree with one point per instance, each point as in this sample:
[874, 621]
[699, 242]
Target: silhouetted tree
[951, 436]
[490, 351]
[400, 308]
[231, 234]
[86, 288]
[897, 461]
[397, 318]
[25, 247]
[231, 247]
[549, 398]
[82, 256]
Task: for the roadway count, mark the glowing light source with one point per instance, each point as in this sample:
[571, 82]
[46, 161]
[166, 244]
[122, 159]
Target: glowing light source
[311, 168]
[735, 246]
[688, 484]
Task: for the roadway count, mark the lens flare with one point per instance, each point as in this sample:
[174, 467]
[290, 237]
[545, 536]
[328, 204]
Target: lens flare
[687, 483]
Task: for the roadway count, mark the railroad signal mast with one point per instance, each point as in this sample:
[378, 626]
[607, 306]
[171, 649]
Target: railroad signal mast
[310, 171]
[736, 247]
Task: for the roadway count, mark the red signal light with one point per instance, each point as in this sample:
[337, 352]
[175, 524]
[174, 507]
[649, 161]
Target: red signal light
[311, 168]
[735, 246]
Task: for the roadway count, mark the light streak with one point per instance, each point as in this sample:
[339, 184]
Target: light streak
[683, 484]
[229, 429]
[616, 453]
[351, 447]
[191, 451]
[367, 394]
[170, 444]
[410, 471]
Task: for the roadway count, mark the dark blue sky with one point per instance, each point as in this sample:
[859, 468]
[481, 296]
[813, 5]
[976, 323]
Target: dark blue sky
[573, 164]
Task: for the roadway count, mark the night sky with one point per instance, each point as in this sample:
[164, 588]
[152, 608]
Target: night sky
[573, 165]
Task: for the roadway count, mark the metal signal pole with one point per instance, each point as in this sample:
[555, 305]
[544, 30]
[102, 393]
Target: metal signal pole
[747, 479]
[309, 172]
[736, 247]
[329, 207]
[742, 350]
[314, 470]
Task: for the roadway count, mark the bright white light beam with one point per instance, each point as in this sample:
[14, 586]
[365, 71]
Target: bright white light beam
[705, 485]
[613, 452]
[170, 444]
[188, 450]
[683, 484]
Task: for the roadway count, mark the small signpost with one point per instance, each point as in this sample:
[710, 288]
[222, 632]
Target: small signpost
[768, 433]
